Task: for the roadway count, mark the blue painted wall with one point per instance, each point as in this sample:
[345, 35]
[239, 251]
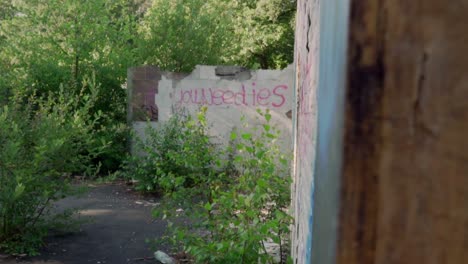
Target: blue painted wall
[321, 41]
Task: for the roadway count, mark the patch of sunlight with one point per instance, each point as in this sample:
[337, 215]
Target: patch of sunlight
[95, 212]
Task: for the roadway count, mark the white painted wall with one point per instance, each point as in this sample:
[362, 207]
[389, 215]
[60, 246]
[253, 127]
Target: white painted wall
[228, 100]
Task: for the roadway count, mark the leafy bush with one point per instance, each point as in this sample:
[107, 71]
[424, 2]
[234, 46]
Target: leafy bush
[178, 154]
[54, 43]
[41, 144]
[111, 136]
[241, 202]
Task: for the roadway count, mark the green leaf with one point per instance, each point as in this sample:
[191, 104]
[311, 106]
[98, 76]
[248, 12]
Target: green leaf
[233, 136]
[18, 191]
[246, 136]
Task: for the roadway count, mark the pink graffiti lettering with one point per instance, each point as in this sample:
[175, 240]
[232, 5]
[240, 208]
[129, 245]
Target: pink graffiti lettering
[268, 97]
[276, 92]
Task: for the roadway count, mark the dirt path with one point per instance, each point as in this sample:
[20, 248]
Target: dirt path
[120, 223]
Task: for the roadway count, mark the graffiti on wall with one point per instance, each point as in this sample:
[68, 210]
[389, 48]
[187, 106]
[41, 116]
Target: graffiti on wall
[156, 95]
[244, 96]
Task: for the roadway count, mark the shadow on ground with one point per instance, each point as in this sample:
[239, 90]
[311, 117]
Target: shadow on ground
[118, 221]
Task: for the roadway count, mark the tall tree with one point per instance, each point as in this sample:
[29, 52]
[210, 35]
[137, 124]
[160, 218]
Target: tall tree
[266, 32]
[47, 44]
[53, 42]
[177, 35]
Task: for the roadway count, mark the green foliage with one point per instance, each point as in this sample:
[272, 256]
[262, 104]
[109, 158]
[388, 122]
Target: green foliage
[6, 9]
[41, 145]
[265, 33]
[53, 42]
[177, 154]
[46, 44]
[177, 35]
[235, 211]
[48, 48]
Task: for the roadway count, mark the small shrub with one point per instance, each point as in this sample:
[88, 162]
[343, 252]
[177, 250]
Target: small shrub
[237, 211]
[176, 155]
[112, 141]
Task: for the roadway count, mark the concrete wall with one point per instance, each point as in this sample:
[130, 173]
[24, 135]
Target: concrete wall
[229, 92]
[305, 120]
